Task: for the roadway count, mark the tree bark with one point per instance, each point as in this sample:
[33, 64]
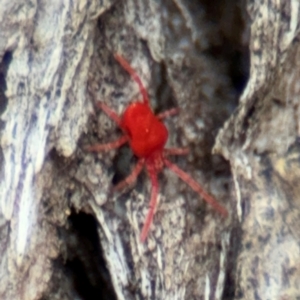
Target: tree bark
[261, 142]
[64, 234]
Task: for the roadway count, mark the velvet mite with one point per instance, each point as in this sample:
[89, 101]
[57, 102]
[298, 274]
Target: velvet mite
[147, 136]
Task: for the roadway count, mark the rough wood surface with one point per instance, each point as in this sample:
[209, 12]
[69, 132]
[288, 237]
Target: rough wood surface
[64, 235]
[261, 141]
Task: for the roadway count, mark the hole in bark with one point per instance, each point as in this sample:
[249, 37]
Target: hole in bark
[164, 93]
[232, 44]
[7, 57]
[85, 263]
[230, 282]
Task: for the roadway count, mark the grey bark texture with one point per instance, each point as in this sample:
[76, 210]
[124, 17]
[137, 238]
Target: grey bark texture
[64, 234]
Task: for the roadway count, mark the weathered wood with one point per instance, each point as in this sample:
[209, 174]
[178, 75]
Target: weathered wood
[261, 142]
[57, 61]
[45, 59]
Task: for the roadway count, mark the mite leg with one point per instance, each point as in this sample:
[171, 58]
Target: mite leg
[176, 151]
[196, 187]
[152, 205]
[134, 76]
[110, 112]
[131, 178]
[108, 146]
[168, 113]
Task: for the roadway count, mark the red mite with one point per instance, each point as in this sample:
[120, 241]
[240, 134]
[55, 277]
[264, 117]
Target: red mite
[147, 136]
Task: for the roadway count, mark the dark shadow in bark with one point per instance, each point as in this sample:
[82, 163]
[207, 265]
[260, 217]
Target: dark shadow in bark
[84, 259]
